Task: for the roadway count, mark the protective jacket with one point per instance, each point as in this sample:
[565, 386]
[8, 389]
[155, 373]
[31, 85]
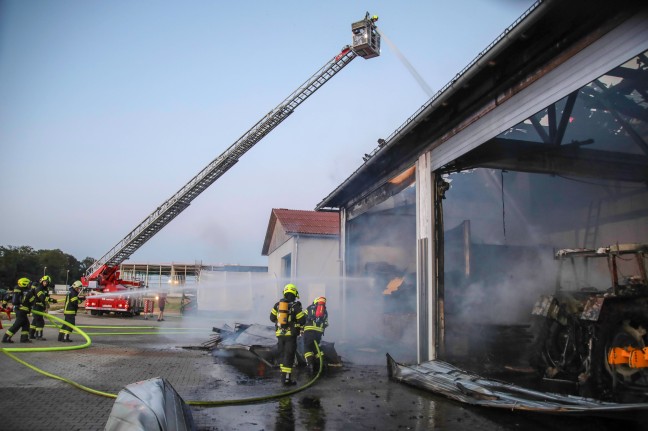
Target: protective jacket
[295, 321]
[6, 298]
[72, 301]
[24, 298]
[313, 322]
[42, 298]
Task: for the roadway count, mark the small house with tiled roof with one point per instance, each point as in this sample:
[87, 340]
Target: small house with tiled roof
[303, 248]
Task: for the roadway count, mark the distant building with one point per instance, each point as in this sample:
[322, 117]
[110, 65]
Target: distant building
[303, 248]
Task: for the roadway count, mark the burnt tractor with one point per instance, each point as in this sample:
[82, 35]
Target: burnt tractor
[593, 336]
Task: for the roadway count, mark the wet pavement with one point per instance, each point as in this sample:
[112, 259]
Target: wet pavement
[352, 396]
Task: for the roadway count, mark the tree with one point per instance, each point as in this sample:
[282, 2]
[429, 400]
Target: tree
[24, 261]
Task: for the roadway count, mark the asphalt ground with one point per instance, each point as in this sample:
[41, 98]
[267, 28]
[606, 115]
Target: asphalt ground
[352, 396]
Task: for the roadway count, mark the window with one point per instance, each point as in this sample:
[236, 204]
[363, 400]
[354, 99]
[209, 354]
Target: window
[286, 266]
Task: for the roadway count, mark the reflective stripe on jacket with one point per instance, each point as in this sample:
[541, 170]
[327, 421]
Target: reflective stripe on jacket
[296, 319]
[42, 297]
[71, 302]
[28, 300]
[312, 322]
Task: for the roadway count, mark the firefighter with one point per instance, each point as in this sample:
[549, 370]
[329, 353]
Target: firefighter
[40, 304]
[162, 299]
[288, 317]
[6, 298]
[316, 323]
[22, 300]
[373, 18]
[72, 301]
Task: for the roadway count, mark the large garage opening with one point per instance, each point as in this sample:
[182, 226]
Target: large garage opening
[381, 270]
[554, 209]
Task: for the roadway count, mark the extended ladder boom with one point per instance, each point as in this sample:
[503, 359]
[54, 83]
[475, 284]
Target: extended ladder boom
[183, 197]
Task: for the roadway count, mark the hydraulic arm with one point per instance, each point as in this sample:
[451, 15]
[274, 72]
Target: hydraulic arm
[366, 43]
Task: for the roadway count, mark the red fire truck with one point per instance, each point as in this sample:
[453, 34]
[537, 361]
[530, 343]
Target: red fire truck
[107, 293]
[110, 293]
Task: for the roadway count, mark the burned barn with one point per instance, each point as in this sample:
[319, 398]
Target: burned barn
[454, 225]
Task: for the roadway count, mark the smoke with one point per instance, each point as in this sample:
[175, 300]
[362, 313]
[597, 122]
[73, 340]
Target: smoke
[361, 326]
[501, 231]
[503, 298]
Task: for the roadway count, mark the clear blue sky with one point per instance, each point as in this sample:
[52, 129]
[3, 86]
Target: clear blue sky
[107, 108]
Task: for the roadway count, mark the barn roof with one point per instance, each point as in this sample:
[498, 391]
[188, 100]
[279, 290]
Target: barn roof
[300, 222]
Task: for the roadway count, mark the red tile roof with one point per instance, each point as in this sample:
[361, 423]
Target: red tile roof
[298, 222]
[308, 222]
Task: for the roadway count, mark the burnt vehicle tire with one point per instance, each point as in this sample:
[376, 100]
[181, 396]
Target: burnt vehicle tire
[538, 332]
[621, 325]
[560, 350]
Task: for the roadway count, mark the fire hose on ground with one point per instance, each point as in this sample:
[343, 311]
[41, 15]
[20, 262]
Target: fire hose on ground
[9, 351]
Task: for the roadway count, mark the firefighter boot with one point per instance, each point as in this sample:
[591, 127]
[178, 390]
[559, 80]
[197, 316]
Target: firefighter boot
[39, 336]
[67, 338]
[61, 335]
[7, 339]
[287, 380]
[310, 366]
[24, 338]
[32, 334]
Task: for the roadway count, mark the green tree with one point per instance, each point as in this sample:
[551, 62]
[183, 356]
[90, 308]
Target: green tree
[24, 261]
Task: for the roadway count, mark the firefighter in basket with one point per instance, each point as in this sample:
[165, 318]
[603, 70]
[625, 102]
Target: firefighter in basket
[22, 300]
[316, 323]
[72, 301]
[288, 317]
[41, 303]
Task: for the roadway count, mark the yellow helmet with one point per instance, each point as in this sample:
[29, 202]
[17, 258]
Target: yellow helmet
[291, 288]
[77, 284]
[45, 278]
[320, 299]
[24, 282]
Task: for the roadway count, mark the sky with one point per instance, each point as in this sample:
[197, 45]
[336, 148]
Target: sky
[109, 108]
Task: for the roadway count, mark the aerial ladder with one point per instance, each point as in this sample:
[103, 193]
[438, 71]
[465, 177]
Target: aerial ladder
[104, 273]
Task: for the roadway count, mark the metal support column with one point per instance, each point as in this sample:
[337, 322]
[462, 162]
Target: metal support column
[426, 297]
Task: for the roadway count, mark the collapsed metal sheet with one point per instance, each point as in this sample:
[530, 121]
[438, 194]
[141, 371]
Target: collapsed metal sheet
[460, 385]
[148, 405]
[260, 341]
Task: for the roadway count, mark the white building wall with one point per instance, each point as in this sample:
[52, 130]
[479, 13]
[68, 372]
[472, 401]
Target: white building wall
[275, 264]
[315, 268]
[318, 270]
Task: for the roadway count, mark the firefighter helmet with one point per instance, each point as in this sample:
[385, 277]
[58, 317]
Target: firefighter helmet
[320, 299]
[46, 278]
[77, 284]
[291, 288]
[24, 282]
